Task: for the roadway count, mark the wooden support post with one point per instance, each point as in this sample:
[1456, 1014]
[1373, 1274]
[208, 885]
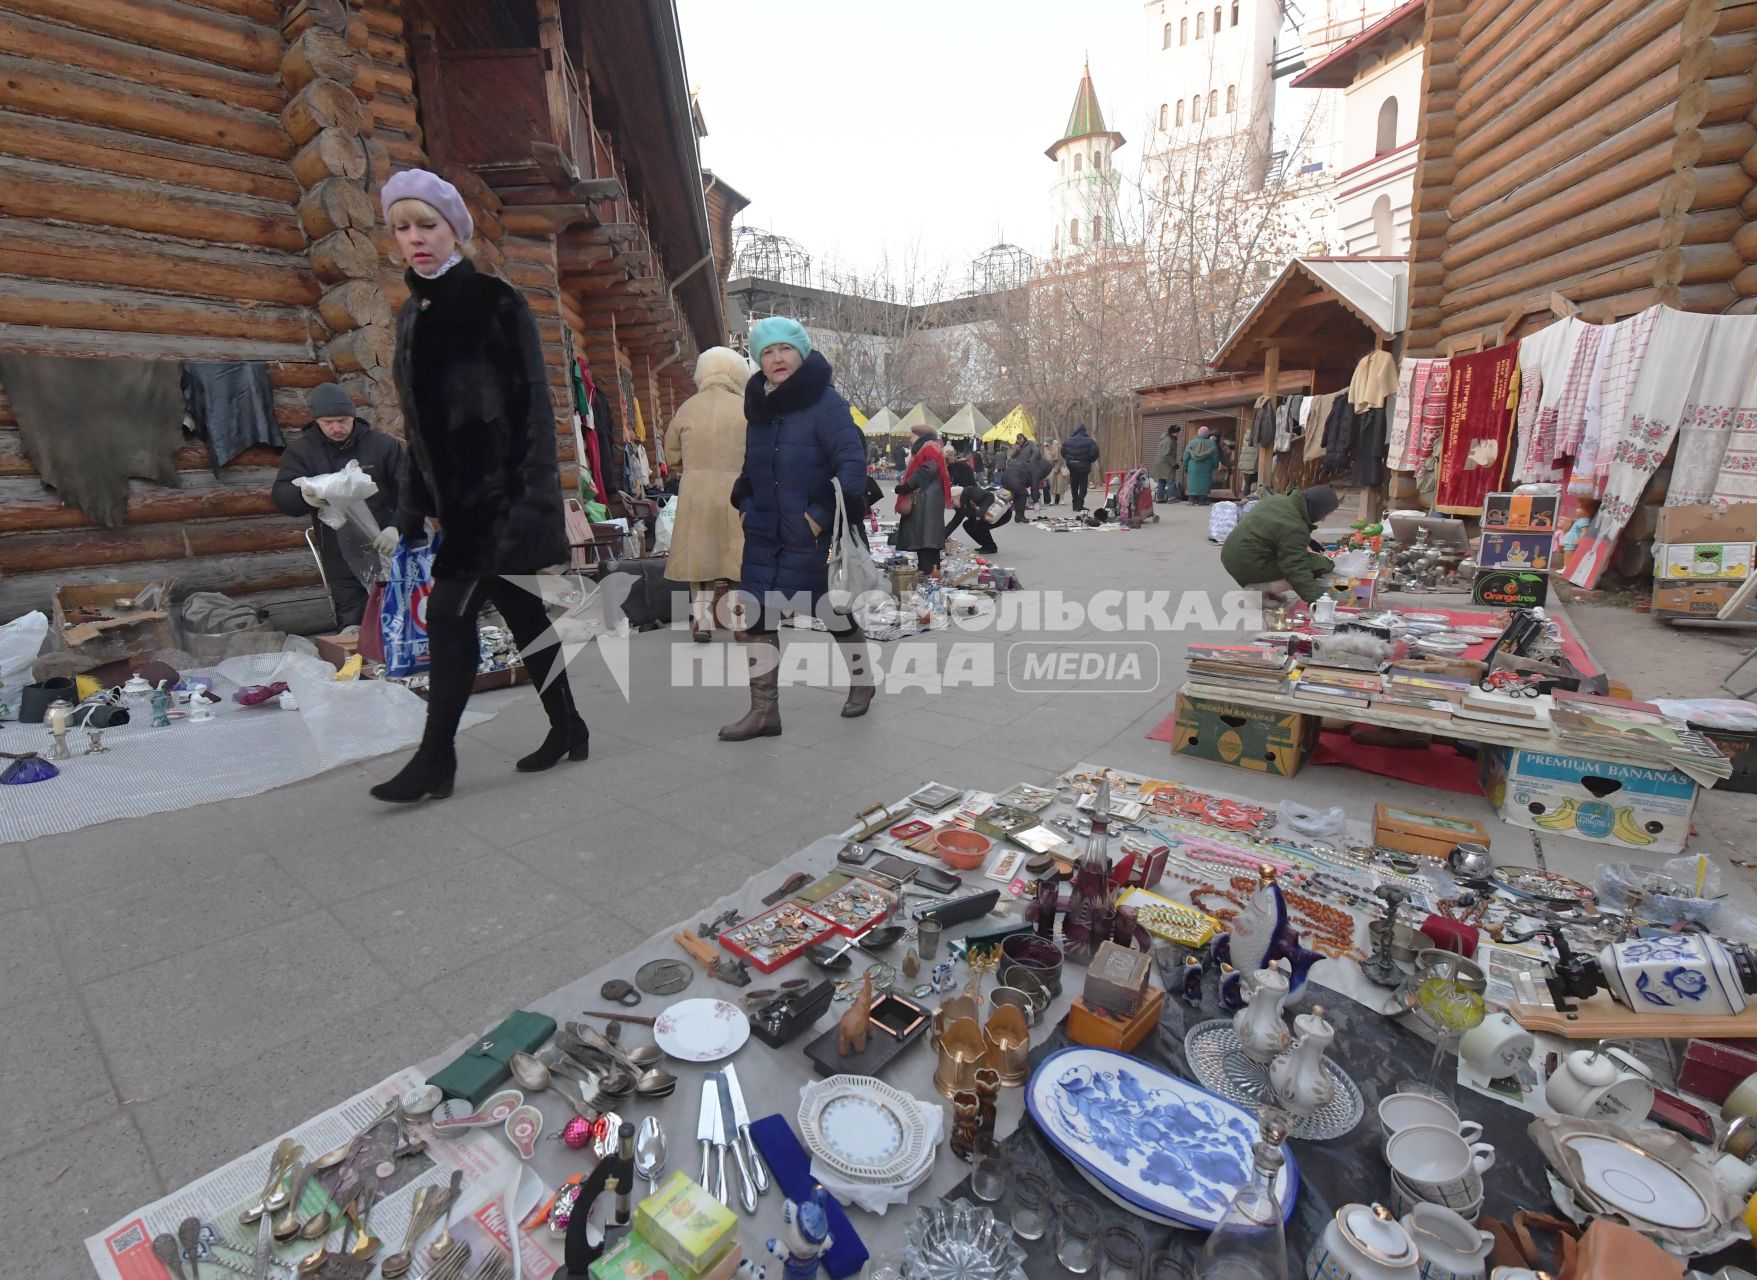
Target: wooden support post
[1272, 389]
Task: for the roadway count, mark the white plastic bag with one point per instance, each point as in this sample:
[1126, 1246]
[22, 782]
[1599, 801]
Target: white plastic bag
[853, 572]
[1222, 520]
[663, 526]
[20, 642]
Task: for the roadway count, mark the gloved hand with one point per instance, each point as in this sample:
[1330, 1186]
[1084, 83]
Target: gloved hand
[386, 542]
[311, 498]
[900, 490]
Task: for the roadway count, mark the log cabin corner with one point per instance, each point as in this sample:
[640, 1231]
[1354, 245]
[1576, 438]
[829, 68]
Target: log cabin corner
[198, 180]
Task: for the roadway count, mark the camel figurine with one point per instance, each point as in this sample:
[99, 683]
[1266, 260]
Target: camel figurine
[857, 1022]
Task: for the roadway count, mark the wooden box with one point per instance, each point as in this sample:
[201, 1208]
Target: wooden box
[128, 632]
[1417, 831]
[1116, 980]
[1101, 1030]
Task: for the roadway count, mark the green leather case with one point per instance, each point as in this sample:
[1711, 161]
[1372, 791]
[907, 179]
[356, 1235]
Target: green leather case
[481, 1069]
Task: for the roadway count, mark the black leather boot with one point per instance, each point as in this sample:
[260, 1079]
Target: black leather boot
[429, 773]
[572, 739]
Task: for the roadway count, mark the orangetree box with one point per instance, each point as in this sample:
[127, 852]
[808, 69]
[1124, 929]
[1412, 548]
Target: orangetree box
[1266, 741]
[1510, 588]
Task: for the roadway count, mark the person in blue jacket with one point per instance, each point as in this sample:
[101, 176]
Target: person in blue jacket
[800, 443]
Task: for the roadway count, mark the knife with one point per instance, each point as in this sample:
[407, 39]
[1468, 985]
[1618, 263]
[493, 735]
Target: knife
[753, 1160]
[729, 1126]
[707, 1132]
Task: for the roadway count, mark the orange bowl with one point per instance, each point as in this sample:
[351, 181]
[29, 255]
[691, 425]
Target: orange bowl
[963, 850]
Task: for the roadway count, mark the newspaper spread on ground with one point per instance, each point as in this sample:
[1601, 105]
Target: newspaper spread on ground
[492, 1172]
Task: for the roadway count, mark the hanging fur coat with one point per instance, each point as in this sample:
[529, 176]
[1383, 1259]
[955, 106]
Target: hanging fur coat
[479, 426]
[705, 444]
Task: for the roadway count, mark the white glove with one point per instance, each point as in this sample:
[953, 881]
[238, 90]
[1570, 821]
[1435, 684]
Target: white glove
[305, 491]
[386, 542]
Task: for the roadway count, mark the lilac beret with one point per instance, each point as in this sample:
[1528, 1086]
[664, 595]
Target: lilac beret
[429, 188]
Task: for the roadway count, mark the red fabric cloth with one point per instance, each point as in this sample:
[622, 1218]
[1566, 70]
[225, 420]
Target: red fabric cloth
[1478, 418]
[930, 451]
[1439, 766]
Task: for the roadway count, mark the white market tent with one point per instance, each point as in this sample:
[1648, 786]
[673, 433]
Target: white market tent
[968, 421]
[882, 423]
[917, 416]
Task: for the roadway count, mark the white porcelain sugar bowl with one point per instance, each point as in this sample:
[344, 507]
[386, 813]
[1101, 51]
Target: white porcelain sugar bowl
[1363, 1242]
[1601, 1084]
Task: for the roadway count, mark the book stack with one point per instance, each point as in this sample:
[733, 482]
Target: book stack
[1246, 666]
[1338, 686]
[1503, 708]
[1592, 726]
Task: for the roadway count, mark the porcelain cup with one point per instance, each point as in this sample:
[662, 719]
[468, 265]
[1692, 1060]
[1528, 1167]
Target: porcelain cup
[1497, 1047]
[1405, 1200]
[1438, 1164]
[1402, 1111]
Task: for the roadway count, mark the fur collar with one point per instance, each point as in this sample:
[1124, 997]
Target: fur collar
[721, 369]
[448, 284]
[804, 389]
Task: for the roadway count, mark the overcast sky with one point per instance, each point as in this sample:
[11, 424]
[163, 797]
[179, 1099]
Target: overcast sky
[854, 127]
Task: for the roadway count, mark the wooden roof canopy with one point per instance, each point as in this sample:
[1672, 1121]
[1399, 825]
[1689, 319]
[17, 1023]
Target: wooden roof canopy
[1339, 68]
[1320, 313]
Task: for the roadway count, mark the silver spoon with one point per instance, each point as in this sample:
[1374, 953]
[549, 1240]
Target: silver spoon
[439, 1246]
[189, 1236]
[529, 1071]
[655, 1082]
[649, 1152]
[166, 1251]
[646, 1055]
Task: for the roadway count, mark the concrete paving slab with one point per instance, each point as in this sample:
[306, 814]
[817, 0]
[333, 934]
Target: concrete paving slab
[61, 1191]
[54, 1074]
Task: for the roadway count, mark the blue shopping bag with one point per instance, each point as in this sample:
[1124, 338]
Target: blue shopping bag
[401, 609]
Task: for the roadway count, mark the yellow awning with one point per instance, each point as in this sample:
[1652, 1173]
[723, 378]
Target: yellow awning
[1009, 427]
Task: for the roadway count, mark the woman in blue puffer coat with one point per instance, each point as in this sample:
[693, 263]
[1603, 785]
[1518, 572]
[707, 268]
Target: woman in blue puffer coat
[800, 442]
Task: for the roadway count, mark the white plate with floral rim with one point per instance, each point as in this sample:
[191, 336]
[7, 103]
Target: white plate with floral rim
[863, 1128]
[701, 1030]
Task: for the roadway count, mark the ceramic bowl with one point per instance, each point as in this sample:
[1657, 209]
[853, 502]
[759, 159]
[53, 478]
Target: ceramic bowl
[963, 850]
[1406, 1110]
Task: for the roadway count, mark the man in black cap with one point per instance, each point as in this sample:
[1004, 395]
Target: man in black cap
[335, 436]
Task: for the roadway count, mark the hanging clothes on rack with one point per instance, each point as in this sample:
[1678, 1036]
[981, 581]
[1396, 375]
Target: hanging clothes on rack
[1318, 427]
[1475, 449]
[1374, 381]
[1717, 433]
[1662, 393]
[1399, 436]
[1263, 422]
[1576, 386]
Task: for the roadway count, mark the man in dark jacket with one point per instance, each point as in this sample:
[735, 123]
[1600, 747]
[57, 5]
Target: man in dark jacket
[335, 436]
[1080, 453]
[1269, 550]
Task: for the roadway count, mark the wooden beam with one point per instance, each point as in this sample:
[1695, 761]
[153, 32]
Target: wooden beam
[174, 27]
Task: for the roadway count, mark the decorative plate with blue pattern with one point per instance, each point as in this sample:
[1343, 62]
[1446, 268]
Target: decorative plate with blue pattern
[1156, 1143]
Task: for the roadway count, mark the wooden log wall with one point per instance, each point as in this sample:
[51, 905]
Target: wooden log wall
[1603, 149]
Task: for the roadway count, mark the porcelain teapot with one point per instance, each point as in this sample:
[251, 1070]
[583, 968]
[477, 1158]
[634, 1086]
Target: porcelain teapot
[1601, 1084]
[1363, 1242]
[1451, 1247]
[1298, 1076]
[1261, 1032]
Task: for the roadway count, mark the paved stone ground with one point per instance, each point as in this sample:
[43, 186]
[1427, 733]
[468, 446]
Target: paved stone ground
[179, 988]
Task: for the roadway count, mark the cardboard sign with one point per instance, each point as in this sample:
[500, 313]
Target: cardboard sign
[1519, 512]
[1510, 588]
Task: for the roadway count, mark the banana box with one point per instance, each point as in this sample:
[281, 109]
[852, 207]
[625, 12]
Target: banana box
[1699, 560]
[1634, 807]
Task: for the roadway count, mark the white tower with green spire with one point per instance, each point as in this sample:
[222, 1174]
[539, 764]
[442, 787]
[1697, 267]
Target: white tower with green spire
[1083, 194]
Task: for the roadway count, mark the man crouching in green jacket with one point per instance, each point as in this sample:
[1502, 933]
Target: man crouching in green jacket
[1270, 549]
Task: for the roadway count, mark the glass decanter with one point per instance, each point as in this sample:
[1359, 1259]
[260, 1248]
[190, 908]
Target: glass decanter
[1250, 1241]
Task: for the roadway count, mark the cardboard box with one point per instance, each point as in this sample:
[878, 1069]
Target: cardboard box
[1630, 806]
[1518, 512]
[1697, 600]
[1100, 1030]
[336, 650]
[1418, 831]
[128, 631]
[632, 1258]
[1266, 741]
[1514, 550]
[1703, 560]
[1707, 524]
[687, 1226]
[1510, 588]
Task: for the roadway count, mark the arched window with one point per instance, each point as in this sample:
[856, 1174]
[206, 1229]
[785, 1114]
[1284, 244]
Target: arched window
[1216, 19]
[1079, 162]
[1165, 187]
[1231, 98]
[1164, 114]
[1074, 231]
[1384, 231]
[1183, 30]
[1195, 108]
[1213, 101]
[1200, 19]
[1180, 113]
[1235, 12]
[1387, 127]
[1097, 229]
[1167, 43]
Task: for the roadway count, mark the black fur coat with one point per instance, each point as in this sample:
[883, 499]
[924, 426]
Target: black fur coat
[479, 425]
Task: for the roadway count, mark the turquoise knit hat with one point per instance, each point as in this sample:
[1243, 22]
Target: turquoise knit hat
[778, 330]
